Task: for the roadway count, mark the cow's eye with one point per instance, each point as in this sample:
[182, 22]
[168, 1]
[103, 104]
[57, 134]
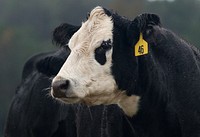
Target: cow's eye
[100, 52]
[106, 45]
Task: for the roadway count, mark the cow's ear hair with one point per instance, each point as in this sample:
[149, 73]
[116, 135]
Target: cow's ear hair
[63, 33]
[146, 21]
[144, 24]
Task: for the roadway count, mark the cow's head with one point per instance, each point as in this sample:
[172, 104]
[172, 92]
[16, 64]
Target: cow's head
[101, 68]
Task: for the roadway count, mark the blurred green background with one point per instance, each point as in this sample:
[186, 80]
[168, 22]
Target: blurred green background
[26, 27]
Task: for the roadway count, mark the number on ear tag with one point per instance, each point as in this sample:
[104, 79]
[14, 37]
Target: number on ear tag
[141, 47]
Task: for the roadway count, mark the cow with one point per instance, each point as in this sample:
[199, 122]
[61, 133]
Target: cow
[33, 112]
[152, 74]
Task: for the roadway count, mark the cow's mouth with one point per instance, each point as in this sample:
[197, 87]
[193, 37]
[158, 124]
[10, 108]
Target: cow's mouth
[69, 100]
[90, 100]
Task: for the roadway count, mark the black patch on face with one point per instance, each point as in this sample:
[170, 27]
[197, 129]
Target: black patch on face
[100, 52]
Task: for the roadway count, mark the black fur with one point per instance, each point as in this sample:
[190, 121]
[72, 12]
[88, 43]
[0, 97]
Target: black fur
[167, 78]
[47, 65]
[33, 113]
[63, 33]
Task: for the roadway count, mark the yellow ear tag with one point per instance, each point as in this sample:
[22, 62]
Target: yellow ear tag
[141, 47]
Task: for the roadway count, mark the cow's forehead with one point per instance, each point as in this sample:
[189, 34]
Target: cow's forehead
[97, 28]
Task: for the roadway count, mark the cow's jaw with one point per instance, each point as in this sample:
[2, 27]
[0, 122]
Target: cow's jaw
[87, 71]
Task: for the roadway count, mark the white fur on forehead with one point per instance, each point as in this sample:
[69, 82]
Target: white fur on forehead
[98, 19]
[97, 13]
[96, 29]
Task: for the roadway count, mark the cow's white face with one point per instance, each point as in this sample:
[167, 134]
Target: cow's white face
[86, 75]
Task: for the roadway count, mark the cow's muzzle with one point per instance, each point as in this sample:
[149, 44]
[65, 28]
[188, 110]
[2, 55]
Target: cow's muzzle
[59, 88]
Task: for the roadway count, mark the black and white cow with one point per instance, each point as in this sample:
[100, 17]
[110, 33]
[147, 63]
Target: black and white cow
[148, 71]
[33, 112]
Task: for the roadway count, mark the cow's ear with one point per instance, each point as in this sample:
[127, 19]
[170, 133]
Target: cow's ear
[50, 65]
[144, 24]
[146, 21]
[63, 33]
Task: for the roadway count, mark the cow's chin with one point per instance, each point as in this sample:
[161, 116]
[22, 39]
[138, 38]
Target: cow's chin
[129, 104]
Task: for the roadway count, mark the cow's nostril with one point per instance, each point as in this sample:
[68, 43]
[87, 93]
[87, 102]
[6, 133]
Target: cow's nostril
[60, 87]
[64, 84]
